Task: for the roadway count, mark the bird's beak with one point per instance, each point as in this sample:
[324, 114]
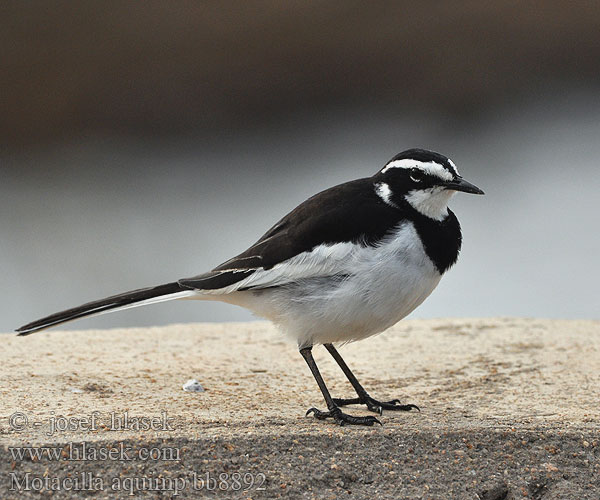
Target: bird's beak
[459, 184]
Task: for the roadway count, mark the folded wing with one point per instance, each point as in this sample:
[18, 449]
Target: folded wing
[315, 239]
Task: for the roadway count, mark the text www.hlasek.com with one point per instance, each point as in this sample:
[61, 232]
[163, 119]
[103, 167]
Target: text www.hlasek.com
[84, 451]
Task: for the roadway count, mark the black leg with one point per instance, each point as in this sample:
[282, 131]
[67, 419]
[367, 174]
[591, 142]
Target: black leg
[334, 411]
[363, 396]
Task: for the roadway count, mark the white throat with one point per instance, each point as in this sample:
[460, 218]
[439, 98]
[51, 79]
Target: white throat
[432, 202]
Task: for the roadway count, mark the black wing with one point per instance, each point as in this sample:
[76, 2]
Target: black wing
[350, 212]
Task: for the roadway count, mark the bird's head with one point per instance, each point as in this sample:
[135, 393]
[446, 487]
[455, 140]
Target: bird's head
[423, 179]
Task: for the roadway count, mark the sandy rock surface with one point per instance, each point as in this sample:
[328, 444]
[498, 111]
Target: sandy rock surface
[509, 409]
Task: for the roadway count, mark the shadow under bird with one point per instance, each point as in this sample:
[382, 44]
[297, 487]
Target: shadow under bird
[347, 263]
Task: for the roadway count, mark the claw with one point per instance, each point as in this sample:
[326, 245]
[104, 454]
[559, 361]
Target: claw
[309, 411]
[375, 408]
[375, 420]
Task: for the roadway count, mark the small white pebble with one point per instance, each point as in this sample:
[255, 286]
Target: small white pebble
[192, 385]
[76, 390]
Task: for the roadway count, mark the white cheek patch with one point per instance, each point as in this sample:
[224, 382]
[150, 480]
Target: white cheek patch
[385, 193]
[430, 168]
[432, 202]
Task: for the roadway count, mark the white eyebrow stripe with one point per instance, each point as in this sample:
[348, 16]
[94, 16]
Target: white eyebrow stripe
[431, 168]
[385, 193]
[453, 166]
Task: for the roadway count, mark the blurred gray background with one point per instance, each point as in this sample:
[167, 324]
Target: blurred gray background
[147, 141]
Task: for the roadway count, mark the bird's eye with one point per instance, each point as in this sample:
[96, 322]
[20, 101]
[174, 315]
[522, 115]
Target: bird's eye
[416, 175]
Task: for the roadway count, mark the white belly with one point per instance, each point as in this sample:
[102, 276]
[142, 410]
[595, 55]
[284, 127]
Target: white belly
[375, 288]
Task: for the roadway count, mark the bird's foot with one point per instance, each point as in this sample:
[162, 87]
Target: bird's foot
[342, 418]
[376, 406]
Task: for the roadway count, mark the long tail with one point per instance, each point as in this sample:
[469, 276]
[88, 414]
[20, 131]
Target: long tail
[127, 300]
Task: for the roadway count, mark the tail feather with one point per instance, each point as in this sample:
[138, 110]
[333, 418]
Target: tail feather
[126, 300]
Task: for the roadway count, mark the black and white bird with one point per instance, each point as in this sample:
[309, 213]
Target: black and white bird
[347, 263]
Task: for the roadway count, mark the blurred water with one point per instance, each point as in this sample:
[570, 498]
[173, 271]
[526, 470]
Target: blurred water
[101, 216]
